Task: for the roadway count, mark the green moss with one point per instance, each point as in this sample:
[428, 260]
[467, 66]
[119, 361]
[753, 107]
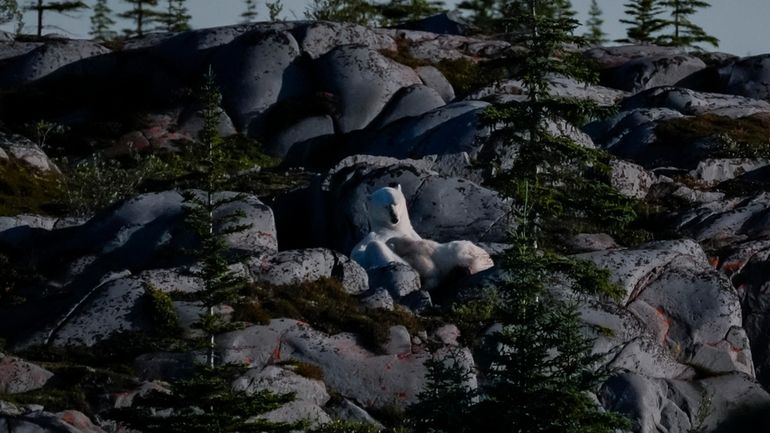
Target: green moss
[24, 189]
[466, 75]
[529, 271]
[340, 426]
[305, 369]
[162, 311]
[745, 137]
[74, 386]
[326, 306]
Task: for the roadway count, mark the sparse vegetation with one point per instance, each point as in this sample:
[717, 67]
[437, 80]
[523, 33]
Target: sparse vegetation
[326, 306]
[341, 426]
[25, 189]
[745, 137]
[162, 311]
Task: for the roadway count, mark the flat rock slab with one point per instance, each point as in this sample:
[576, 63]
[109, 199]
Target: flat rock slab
[18, 376]
[300, 266]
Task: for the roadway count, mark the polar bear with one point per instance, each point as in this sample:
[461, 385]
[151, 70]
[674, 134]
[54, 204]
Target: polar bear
[388, 217]
[435, 261]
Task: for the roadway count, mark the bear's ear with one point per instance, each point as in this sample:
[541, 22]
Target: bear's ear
[398, 187]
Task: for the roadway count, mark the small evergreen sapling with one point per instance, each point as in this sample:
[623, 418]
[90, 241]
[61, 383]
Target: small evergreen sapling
[143, 15]
[595, 34]
[102, 22]
[10, 11]
[398, 11]
[250, 12]
[344, 11]
[274, 9]
[177, 17]
[447, 402]
[206, 403]
[62, 7]
[643, 21]
[221, 285]
[685, 33]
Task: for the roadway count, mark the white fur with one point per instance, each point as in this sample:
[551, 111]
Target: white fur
[388, 217]
[435, 262]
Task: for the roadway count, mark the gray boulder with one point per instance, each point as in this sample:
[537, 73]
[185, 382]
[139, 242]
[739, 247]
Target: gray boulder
[33, 419]
[447, 23]
[27, 220]
[25, 150]
[728, 222]
[308, 128]
[609, 57]
[349, 369]
[44, 59]
[398, 279]
[729, 403]
[18, 376]
[586, 242]
[299, 266]
[282, 381]
[363, 80]
[630, 179]
[749, 266]
[559, 86]
[448, 130]
[434, 79]
[749, 77]
[250, 86]
[296, 411]
[691, 309]
[318, 38]
[648, 72]
[410, 101]
[111, 308]
[190, 123]
[690, 102]
[713, 171]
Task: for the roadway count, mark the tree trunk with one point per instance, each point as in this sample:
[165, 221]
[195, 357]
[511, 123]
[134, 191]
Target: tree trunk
[40, 17]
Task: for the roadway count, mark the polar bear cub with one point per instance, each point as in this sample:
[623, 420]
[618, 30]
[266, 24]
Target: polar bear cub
[435, 262]
[388, 218]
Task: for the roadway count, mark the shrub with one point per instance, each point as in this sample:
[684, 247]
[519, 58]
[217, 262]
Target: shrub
[745, 137]
[326, 306]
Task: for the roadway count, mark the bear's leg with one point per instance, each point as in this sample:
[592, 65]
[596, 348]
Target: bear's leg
[379, 254]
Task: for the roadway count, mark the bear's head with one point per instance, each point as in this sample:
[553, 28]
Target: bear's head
[387, 209]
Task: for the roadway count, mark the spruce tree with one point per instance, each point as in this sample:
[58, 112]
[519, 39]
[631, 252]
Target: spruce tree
[398, 11]
[143, 15]
[344, 11]
[485, 14]
[250, 13]
[205, 403]
[643, 21]
[595, 34]
[177, 17]
[683, 32]
[102, 22]
[274, 9]
[40, 7]
[446, 403]
[542, 368]
[562, 9]
[221, 285]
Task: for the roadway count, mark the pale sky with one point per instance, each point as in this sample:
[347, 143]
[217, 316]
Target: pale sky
[743, 26]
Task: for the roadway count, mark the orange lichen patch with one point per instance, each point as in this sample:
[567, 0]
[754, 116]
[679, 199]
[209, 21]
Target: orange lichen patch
[665, 322]
[714, 262]
[77, 420]
[732, 266]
